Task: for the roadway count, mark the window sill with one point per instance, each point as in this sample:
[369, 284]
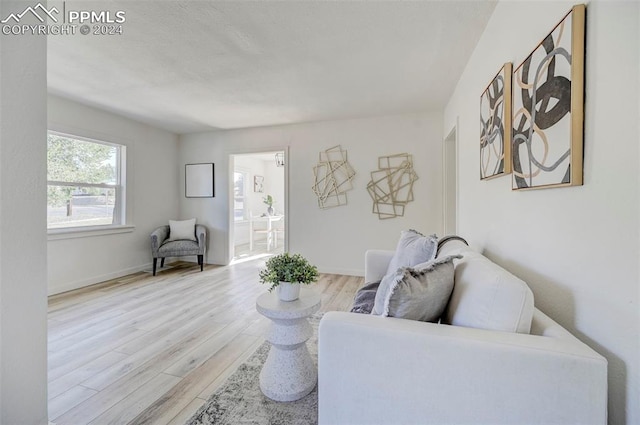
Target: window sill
[80, 232]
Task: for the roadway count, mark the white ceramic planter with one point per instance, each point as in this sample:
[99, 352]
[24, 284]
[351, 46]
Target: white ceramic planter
[288, 291]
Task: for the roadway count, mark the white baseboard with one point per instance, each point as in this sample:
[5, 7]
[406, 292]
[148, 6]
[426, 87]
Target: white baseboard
[113, 275]
[348, 272]
[97, 279]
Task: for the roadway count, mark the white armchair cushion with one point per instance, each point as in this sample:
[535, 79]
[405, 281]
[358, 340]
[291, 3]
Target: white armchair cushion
[182, 230]
[488, 297]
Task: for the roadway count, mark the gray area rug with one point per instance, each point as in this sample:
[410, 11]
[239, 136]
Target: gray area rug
[240, 401]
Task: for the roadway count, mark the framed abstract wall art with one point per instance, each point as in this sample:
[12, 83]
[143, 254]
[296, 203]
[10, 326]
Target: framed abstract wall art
[495, 125]
[548, 109]
[332, 178]
[258, 184]
[391, 185]
[199, 181]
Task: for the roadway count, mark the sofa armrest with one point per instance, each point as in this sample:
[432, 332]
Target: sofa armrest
[375, 370]
[158, 236]
[201, 234]
[376, 262]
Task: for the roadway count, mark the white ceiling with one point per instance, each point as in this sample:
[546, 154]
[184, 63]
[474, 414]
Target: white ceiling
[189, 66]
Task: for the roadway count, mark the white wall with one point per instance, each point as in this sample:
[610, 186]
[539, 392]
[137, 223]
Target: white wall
[152, 197]
[273, 176]
[576, 247]
[334, 239]
[253, 167]
[274, 184]
[23, 256]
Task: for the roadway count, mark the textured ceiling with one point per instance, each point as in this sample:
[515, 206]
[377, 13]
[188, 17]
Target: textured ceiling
[189, 66]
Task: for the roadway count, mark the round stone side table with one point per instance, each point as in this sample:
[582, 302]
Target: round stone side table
[288, 373]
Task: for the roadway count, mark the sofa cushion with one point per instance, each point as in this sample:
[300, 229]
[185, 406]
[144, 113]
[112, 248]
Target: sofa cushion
[182, 230]
[416, 293]
[486, 296]
[178, 248]
[413, 248]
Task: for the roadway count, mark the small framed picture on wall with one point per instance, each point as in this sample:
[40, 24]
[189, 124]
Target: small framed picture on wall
[199, 181]
[258, 184]
[495, 125]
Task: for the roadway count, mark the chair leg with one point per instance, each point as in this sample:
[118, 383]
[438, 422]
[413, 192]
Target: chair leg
[155, 263]
[162, 262]
[201, 262]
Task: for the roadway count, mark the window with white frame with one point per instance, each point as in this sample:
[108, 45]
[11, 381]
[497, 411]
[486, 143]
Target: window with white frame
[85, 182]
[239, 195]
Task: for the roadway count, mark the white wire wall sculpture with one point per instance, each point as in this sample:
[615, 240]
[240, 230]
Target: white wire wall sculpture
[333, 177]
[391, 186]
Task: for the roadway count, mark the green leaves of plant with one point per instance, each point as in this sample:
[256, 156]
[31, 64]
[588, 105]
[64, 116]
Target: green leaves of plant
[288, 268]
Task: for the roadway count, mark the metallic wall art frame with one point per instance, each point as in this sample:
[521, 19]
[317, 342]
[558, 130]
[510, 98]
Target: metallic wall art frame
[391, 185]
[495, 125]
[199, 181]
[333, 177]
[548, 106]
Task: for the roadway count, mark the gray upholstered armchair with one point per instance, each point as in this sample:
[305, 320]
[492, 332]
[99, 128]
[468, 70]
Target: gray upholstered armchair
[161, 247]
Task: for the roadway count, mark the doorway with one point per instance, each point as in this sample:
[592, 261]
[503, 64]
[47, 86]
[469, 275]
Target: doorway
[259, 205]
[450, 178]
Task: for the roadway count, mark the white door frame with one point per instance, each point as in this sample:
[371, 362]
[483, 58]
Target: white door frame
[452, 137]
[231, 168]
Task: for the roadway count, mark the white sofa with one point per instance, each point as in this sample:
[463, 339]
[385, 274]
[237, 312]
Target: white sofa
[484, 368]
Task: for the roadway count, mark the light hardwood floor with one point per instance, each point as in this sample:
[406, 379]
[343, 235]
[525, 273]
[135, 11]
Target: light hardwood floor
[242, 252]
[144, 349]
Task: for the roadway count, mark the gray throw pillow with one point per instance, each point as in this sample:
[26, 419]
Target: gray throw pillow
[417, 293]
[413, 248]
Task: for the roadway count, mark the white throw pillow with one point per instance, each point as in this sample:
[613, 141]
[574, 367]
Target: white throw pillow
[182, 230]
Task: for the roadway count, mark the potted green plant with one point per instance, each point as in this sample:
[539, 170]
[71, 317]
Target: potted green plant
[269, 201]
[287, 272]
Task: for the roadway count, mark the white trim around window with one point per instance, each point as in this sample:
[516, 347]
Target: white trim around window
[81, 203]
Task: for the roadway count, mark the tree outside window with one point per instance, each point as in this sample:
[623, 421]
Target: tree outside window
[84, 182]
